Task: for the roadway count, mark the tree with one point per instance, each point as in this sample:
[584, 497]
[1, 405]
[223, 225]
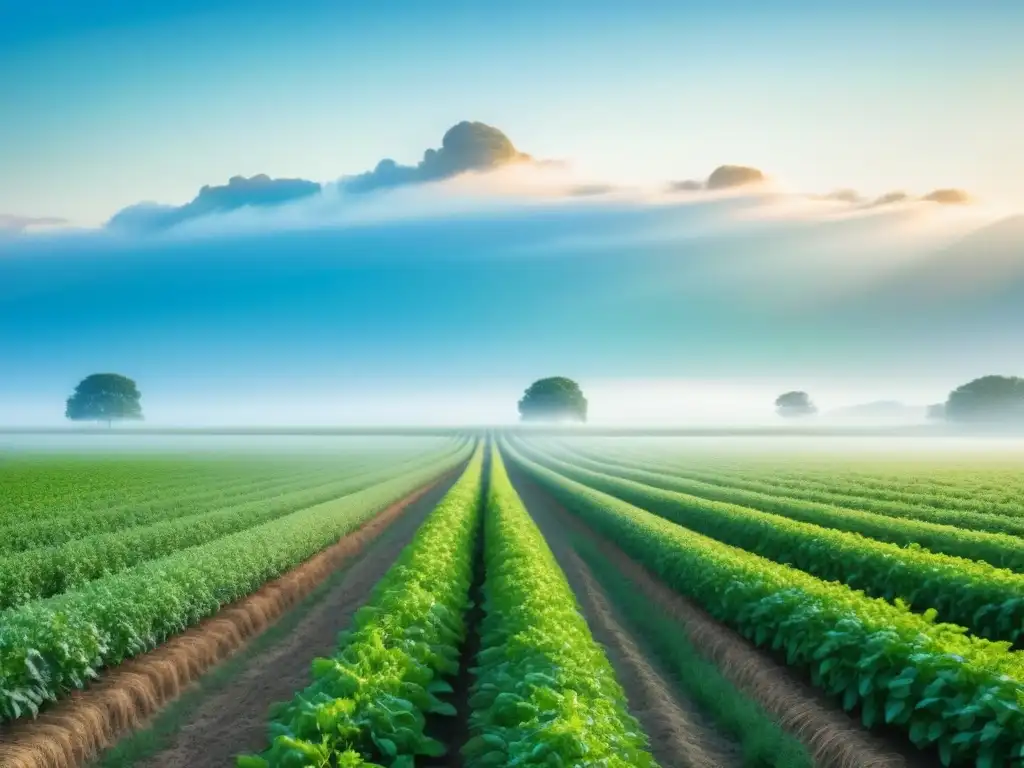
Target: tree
[990, 398]
[105, 397]
[553, 399]
[936, 412]
[792, 404]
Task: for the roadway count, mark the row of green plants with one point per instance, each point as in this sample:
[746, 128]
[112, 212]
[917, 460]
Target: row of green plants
[54, 487]
[50, 646]
[974, 487]
[51, 532]
[763, 742]
[1000, 550]
[42, 487]
[28, 534]
[368, 704]
[728, 487]
[46, 571]
[959, 694]
[988, 601]
[975, 483]
[544, 693]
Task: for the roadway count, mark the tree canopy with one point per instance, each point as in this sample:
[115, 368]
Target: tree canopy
[553, 399]
[988, 399]
[791, 404]
[105, 397]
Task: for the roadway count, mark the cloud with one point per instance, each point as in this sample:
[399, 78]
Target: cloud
[689, 185]
[591, 190]
[240, 192]
[948, 197]
[723, 177]
[466, 146]
[730, 176]
[889, 198]
[844, 196]
[12, 223]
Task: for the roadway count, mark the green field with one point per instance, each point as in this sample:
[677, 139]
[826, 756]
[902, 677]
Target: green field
[612, 601]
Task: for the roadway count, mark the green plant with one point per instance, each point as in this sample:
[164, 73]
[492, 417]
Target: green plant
[368, 704]
[961, 694]
[544, 694]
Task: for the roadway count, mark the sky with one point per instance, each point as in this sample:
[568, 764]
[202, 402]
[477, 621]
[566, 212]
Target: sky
[112, 102]
[418, 293]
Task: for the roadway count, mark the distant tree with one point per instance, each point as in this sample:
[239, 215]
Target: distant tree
[553, 399]
[105, 397]
[936, 412]
[792, 404]
[988, 399]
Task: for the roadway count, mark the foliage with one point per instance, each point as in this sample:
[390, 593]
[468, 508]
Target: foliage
[46, 571]
[729, 486]
[50, 646]
[553, 399]
[960, 694]
[985, 599]
[999, 550]
[105, 397]
[990, 398]
[794, 404]
[545, 694]
[762, 740]
[368, 704]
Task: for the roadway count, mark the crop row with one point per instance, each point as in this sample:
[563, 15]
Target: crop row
[50, 646]
[726, 487]
[369, 703]
[999, 550]
[987, 600]
[545, 694]
[976, 487]
[30, 534]
[958, 693]
[53, 490]
[46, 571]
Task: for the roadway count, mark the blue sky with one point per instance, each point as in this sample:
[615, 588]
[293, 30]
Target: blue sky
[435, 305]
[107, 103]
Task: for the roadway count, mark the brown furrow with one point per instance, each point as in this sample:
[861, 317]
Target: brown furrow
[679, 737]
[833, 738]
[75, 729]
[676, 739]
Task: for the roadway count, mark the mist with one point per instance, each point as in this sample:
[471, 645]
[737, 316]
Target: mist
[439, 303]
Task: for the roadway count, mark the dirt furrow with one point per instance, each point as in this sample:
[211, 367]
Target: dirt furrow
[235, 719]
[680, 736]
[833, 738]
[76, 729]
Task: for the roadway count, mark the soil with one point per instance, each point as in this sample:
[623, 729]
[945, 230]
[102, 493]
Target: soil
[73, 731]
[235, 720]
[679, 735]
[833, 738]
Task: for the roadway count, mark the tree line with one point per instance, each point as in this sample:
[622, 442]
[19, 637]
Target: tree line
[110, 397]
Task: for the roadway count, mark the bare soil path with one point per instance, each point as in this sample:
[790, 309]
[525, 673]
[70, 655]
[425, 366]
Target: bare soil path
[235, 719]
[680, 736]
[833, 738]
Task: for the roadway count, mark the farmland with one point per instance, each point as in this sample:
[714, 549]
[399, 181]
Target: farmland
[516, 600]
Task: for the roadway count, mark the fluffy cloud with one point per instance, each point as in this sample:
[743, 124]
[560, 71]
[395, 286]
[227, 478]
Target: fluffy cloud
[723, 177]
[239, 192]
[11, 223]
[689, 185]
[890, 198]
[948, 197]
[465, 147]
[730, 176]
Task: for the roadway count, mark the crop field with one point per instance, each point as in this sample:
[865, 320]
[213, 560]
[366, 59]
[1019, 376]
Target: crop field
[515, 600]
